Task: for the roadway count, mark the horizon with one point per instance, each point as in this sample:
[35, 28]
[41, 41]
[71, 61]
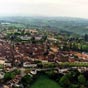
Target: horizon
[14, 16]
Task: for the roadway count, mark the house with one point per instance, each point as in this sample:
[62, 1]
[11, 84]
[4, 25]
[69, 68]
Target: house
[38, 38]
[28, 64]
[5, 86]
[52, 39]
[7, 64]
[2, 75]
[33, 72]
[71, 60]
[2, 60]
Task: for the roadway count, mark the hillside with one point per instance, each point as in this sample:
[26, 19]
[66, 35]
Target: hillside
[76, 25]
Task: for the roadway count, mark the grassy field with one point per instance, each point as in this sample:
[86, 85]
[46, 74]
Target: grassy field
[45, 82]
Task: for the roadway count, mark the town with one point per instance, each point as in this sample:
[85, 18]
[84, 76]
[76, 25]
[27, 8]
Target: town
[30, 51]
[43, 44]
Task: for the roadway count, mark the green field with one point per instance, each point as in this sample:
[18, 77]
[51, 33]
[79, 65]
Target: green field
[45, 82]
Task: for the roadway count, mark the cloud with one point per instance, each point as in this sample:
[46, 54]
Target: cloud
[73, 8]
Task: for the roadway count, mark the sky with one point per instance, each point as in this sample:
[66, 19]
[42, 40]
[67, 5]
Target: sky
[68, 8]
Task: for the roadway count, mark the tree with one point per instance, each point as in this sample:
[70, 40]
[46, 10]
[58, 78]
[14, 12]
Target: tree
[33, 40]
[82, 86]
[44, 38]
[26, 80]
[86, 37]
[64, 81]
[81, 79]
[72, 75]
[74, 86]
[9, 76]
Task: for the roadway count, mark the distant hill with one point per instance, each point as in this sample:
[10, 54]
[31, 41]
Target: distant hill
[75, 25]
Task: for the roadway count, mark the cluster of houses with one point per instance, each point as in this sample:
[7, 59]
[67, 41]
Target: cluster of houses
[21, 52]
[24, 54]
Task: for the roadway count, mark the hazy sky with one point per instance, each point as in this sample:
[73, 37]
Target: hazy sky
[72, 8]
